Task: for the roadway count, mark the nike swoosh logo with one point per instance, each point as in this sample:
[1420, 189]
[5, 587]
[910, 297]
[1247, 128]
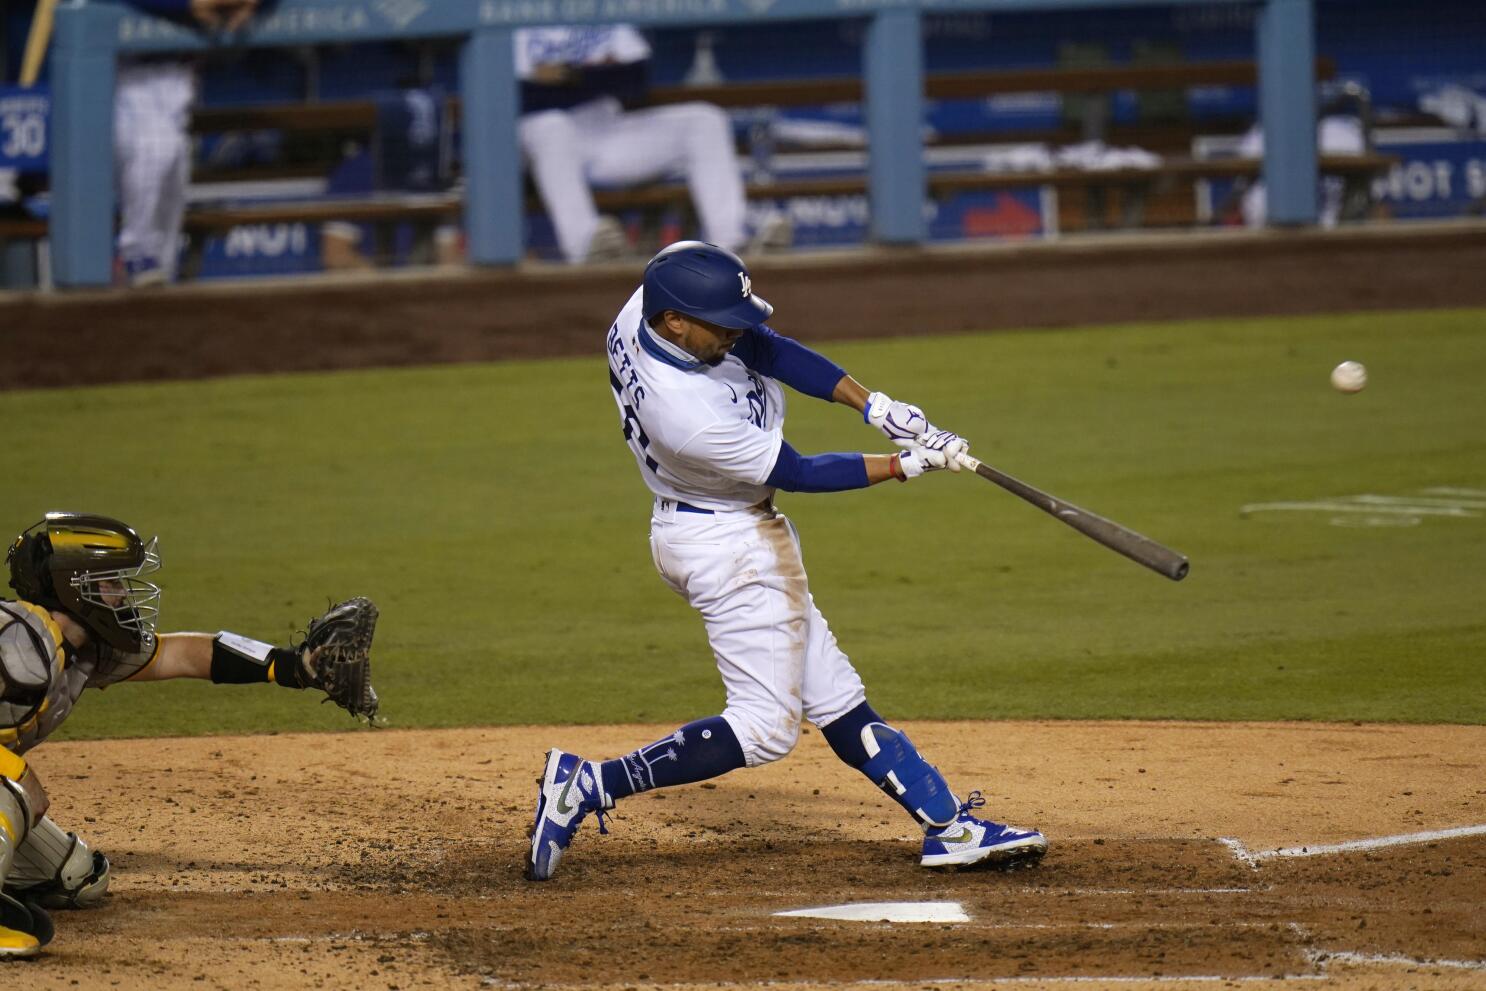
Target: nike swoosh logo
[961, 837]
[563, 808]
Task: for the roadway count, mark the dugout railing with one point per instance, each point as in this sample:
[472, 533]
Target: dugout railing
[93, 34]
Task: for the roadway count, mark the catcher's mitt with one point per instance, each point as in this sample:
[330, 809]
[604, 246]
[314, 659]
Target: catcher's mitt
[335, 658]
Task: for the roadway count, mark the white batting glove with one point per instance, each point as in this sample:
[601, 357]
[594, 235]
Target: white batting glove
[917, 460]
[951, 444]
[901, 423]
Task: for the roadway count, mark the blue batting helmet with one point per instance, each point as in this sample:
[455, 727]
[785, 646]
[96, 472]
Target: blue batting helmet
[705, 282]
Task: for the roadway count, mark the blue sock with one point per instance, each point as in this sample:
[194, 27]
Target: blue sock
[845, 734]
[695, 752]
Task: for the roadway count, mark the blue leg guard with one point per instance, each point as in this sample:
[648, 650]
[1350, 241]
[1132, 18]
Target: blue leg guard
[895, 766]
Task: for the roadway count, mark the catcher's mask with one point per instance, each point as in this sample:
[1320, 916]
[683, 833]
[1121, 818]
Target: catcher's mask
[92, 568]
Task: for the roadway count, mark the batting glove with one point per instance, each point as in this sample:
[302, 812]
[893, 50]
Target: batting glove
[917, 460]
[951, 444]
[901, 423]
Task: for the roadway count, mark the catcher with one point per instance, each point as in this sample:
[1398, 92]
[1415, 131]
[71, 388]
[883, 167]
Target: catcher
[85, 616]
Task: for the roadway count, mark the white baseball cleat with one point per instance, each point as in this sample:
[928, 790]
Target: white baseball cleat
[969, 840]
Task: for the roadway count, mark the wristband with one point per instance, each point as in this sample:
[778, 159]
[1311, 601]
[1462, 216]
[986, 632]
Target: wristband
[895, 463]
[238, 660]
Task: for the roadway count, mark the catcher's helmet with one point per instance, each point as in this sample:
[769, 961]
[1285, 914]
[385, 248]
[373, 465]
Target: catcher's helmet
[92, 568]
[703, 281]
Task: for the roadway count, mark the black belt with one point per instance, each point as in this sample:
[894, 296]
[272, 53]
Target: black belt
[686, 507]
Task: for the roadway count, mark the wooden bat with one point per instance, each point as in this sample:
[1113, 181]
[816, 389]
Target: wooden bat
[1141, 550]
[39, 38]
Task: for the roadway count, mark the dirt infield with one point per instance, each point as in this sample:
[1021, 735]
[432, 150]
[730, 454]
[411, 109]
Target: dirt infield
[393, 860]
[389, 320]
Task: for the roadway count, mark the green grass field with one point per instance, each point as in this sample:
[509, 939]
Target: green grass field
[497, 518]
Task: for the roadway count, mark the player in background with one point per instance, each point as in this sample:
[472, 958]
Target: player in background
[575, 132]
[697, 376]
[85, 617]
[152, 110]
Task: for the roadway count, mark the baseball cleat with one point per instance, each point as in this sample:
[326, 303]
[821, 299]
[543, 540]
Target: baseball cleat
[567, 791]
[14, 943]
[969, 840]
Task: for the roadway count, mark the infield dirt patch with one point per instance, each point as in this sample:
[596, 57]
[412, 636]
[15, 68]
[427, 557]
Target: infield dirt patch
[393, 860]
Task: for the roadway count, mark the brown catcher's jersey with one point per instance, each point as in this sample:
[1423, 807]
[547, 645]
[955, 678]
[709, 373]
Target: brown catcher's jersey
[33, 642]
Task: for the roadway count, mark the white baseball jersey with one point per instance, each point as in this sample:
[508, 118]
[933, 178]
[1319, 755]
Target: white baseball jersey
[705, 436]
[593, 44]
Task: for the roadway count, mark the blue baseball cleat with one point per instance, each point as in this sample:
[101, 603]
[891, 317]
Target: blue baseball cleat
[969, 840]
[568, 790]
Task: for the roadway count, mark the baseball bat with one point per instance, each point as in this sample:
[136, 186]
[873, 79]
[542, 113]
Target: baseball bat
[37, 41]
[1141, 550]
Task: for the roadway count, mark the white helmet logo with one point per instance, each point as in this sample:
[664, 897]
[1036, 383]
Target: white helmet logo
[747, 284]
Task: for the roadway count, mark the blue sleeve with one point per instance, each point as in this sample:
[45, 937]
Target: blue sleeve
[789, 361]
[167, 8]
[818, 473]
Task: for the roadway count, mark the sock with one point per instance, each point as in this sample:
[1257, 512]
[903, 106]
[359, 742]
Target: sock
[845, 734]
[695, 752]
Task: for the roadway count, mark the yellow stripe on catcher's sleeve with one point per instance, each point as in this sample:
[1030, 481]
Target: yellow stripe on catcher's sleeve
[12, 766]
[159, 642]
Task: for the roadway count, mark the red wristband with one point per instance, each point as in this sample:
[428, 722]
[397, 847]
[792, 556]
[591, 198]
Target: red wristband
[896, 465]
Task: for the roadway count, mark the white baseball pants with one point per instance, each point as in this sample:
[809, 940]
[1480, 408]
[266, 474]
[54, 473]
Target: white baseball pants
[152, 106]
[779, 661]
[598, 142]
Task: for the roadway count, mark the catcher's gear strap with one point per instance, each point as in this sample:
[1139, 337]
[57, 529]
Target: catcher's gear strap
[15, 821]
[56, 869]
[894, 765]
[238, 660]
[30, 642]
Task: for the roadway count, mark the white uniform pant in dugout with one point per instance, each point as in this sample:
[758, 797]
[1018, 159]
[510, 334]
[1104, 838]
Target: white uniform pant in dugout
[598, 142]
[152, 106]
[779, 660]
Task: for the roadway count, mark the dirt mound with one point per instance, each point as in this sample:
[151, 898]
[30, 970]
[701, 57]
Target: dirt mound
[394, 859]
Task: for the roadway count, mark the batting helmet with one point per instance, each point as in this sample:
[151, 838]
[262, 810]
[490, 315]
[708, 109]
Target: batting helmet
[92, 568]
[703, 281]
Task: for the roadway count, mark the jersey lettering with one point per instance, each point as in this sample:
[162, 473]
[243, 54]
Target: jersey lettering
[624, 380]
[758, 404]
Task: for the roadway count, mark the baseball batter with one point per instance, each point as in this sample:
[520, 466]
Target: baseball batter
[85, 617]
[697, 378]
[575, 132]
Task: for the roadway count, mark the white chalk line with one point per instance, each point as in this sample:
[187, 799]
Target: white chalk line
[1252, 858]
[1321, 958]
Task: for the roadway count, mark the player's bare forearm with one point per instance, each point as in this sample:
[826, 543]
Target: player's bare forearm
[850, 392]
[181, 655]
[880, 468]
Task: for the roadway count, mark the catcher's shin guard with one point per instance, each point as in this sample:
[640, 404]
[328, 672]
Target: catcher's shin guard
[23, 931]
[56, 869]
[894, 765]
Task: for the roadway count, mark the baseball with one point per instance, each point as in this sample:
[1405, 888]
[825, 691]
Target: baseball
[1349, 376]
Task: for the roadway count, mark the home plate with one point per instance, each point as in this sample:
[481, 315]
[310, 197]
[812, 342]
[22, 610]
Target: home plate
[885, 912]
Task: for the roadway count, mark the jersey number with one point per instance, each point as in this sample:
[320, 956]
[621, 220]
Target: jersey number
[634, 434]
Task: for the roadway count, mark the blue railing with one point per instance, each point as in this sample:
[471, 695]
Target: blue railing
[92, 34]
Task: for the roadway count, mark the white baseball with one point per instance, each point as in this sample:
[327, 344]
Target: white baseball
[1349, 376]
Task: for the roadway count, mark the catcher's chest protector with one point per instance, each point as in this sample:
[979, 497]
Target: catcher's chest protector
[32, 643]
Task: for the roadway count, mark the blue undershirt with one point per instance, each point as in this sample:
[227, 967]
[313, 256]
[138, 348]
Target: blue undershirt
[789, 361]
[806, 371]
